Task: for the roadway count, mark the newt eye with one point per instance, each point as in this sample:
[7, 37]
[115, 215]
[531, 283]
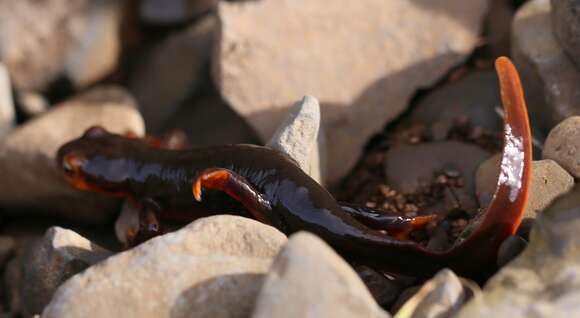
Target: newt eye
[70, 164]
[67, 167]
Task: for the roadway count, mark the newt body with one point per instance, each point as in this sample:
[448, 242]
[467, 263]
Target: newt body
[269, 185]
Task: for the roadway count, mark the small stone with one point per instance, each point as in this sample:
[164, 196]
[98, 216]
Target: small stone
[510, 249]
[7, 245]
[170, 12]
[548, 181]
[384, 290]
[299, 136]
[441, 296]
[61, 254]
[31, 104]
[98, 48]
[30, 181]
[309, 278]
[549, 77]
[349, 56]
[563, 145]
[7, 112]
[474, 97]
[172, 72]
[213, 267]
[566, 24]
[544, 280]
[408, 166]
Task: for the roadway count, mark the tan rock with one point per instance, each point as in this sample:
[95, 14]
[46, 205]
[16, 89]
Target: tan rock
[7, 111]
[563, 145]
[30, 181]
[544, 281]
[548, 181]
[362, 59]
[300, 137]
[213, 267]
[441, 296]
[309, 279]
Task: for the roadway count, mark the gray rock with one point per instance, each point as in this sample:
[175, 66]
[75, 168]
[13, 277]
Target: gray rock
[7, 112]
[549, 77]
[309, 279]
[474, 97]
[209, 121]
[486, 179]
[406, 168]
[30, 180]
[566, 23]
[36, 36]
[548, 181]
[300, 137]
[213, 267]
[173, 71]
[441, 296]
[61, 254]
[509, 249]
[167, 12]
[98, 48]
[544, 281]
[7, 245]
[348, 56]
[563, 145]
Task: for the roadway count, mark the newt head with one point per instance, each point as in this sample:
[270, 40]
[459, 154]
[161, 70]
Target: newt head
[95, 162]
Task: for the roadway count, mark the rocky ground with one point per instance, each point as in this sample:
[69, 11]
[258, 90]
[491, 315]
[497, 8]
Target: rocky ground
[389, 104]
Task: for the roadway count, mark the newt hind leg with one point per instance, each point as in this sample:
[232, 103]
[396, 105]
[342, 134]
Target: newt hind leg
[396, 225]
[236, 187]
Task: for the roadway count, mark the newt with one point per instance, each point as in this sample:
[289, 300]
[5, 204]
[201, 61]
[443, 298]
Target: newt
[256, 181]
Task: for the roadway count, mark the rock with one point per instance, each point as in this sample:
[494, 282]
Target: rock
[309, 279]
[31, 104]
[7, 112]
[385, 290]
[35, 37]
[362, 59]
[7, 245]
[474, 97]
[61, 254]
[563, 145]
[12, 282]
[441, 296]
[549, 77]
[300, 137]
[566, 24]
[30, 180]
[167, 12]
[486, 179]
[406, 167]
[173, 71]
[213, 267]
[509, 249]
[98, 48]
[548, 181]
[544, 281]
[209, 121]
